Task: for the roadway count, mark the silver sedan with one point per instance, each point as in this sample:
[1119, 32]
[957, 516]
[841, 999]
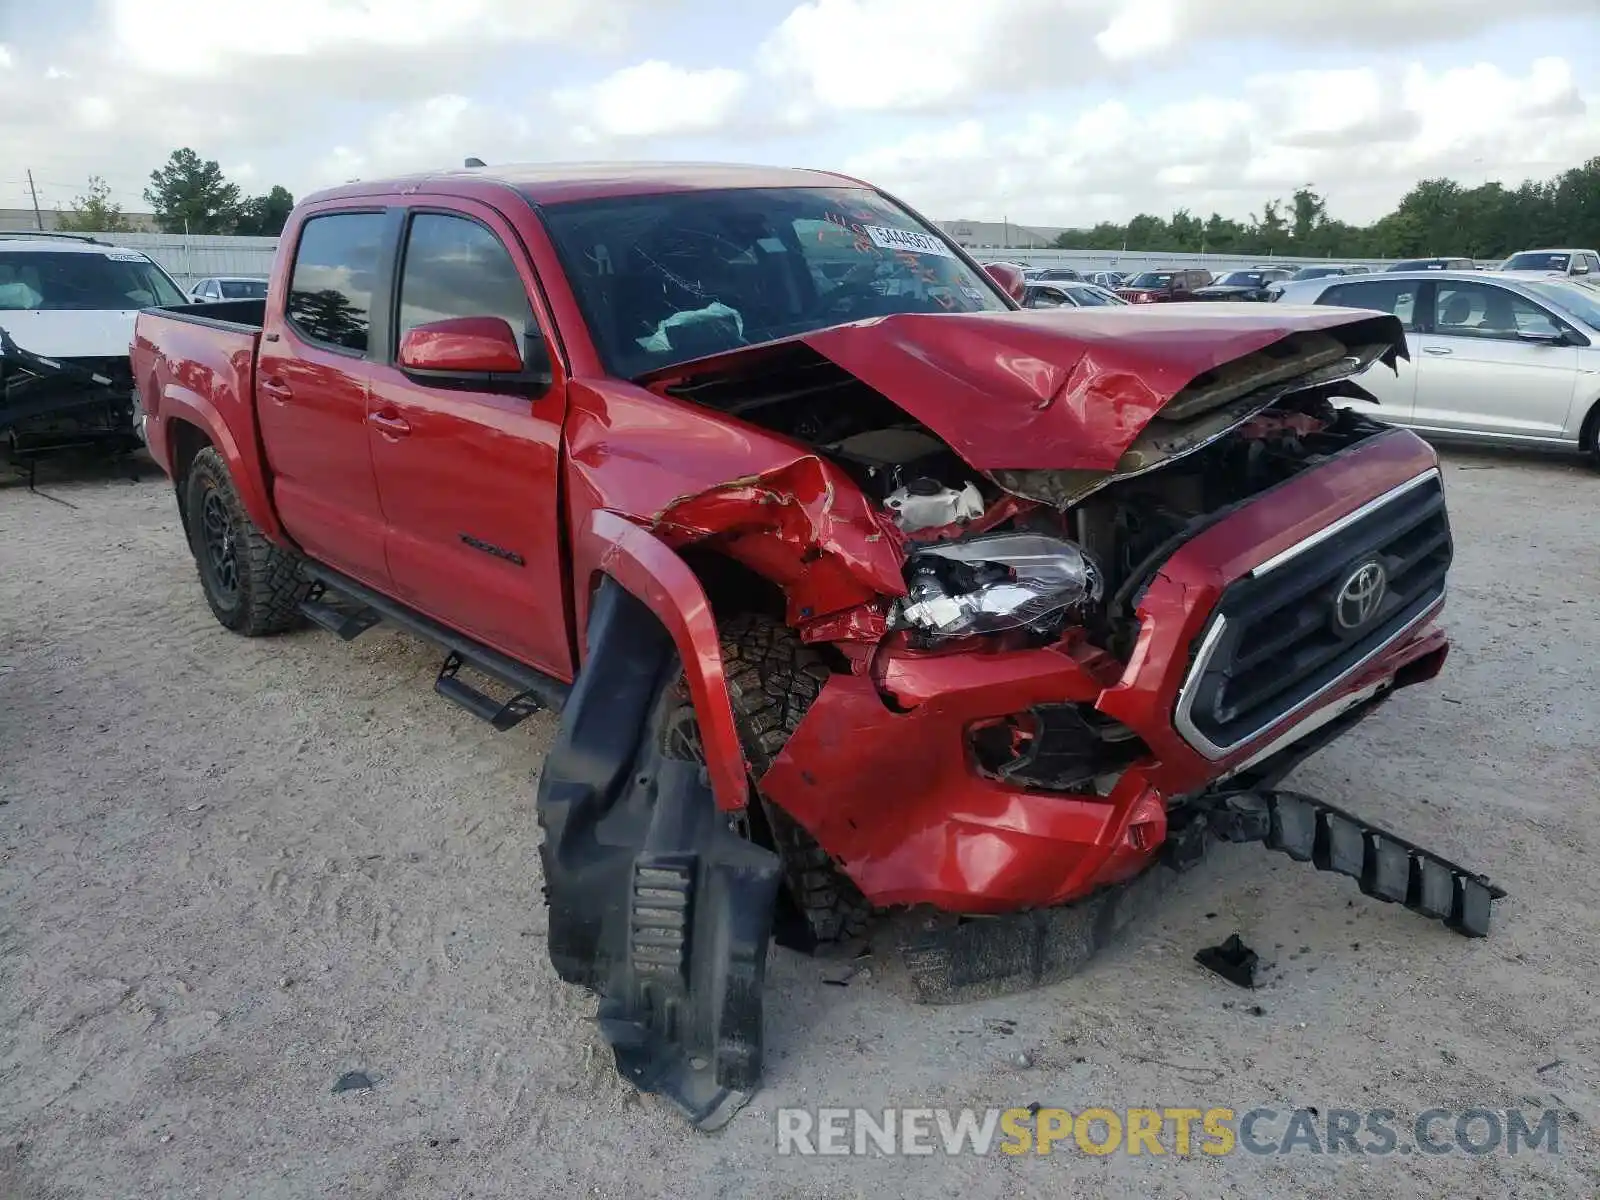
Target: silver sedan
[1494, 358]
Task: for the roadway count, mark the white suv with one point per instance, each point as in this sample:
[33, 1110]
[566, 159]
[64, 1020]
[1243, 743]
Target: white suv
[67, 304]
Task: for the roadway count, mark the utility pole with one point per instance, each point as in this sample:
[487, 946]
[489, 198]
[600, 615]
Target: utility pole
[38, 221]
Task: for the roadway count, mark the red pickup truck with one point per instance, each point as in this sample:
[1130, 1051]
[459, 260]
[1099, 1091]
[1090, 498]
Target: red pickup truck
[857, 587]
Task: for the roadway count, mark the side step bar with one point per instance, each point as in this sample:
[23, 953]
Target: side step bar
[1386, 866]
[344, 623]
[501, 714]
[534, 690]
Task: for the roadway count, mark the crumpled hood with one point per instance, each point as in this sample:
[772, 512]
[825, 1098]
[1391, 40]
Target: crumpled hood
[1028, 390]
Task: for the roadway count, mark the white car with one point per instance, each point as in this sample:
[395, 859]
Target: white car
[1494, 358]
[67, 304]
[1578, 263]
[1067, 294]
[75, 297]
[228, 287]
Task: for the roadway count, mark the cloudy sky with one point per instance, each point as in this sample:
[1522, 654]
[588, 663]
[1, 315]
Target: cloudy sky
[1042, 111]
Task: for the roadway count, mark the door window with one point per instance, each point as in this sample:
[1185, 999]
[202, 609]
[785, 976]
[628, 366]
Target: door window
[1481, 310]
[335, 271]
[456, 268]
[1397, 297]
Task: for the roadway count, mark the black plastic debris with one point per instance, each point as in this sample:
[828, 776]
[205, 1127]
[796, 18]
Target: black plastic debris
[1386, 866]
[352, 1081]
[1233, 960]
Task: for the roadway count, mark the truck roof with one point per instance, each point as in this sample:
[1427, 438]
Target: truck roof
[555, 183]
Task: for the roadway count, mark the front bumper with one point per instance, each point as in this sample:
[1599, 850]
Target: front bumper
[880, 773]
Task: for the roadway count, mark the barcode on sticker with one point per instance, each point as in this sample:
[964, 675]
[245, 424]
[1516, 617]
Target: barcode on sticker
[125, 256]
[906, 239]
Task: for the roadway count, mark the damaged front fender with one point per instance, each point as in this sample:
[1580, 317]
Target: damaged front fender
[656, 904]
[807, 528]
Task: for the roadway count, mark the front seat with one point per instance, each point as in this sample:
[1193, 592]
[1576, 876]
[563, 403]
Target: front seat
[1455, 314]
[1498, 315]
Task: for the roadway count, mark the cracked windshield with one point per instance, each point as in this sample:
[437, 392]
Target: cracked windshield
[664, 279]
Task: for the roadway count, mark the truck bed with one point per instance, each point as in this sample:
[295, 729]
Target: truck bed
[190, 359]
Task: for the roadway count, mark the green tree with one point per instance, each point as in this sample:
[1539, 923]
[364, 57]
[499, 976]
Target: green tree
[1268, 232]
[1437, 216]
[1185, 232]
[190, 195]
[93, 212]
[265, 216]
[1310, 213]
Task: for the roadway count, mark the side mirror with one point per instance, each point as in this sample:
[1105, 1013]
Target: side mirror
[1543, 337]
[1011, 281]
[479, 353]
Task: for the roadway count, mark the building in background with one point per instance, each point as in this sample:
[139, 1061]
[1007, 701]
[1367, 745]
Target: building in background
[14, 219]
[1000, 235]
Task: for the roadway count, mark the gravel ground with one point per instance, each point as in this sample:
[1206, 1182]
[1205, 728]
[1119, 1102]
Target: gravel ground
[232, 871]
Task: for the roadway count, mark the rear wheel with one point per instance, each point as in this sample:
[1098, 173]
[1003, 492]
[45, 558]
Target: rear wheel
[772, 679]
[252, 586]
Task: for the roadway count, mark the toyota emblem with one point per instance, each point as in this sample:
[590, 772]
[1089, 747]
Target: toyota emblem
[1360, 596]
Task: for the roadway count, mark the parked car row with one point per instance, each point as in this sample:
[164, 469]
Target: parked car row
[1067, 294]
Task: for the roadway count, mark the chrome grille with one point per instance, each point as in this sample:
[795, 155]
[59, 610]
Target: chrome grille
[1302, 621]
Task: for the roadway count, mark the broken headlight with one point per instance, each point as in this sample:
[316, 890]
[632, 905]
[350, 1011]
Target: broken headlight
[997, 582]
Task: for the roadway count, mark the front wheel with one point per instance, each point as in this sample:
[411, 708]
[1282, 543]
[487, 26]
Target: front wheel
[252, 586]
[772, 680]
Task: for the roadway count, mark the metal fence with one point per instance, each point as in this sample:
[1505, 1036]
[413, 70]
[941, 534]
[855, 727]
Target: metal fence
[188, 258]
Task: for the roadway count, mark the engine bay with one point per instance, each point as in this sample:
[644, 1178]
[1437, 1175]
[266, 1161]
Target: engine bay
[984, 559]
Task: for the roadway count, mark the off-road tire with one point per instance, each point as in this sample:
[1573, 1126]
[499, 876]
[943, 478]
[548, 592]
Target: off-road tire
[269, 583]
[773, 678]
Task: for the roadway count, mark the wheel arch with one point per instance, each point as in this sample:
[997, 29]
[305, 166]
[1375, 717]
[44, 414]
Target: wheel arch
[612, 547]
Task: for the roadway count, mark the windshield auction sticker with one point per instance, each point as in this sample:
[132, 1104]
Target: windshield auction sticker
[906, 239]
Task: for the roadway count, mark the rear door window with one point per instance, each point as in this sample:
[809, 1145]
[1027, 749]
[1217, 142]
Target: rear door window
[335, 273]
[1397, 297]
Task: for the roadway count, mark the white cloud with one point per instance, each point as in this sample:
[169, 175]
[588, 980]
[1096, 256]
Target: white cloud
[1362, 137]
[210, 37]
[1139, 29]
[653, 99]
[936, 55]
[870, 55]
[1048, 111]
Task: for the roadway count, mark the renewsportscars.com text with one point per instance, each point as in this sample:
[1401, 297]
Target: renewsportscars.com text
[1160, 1131]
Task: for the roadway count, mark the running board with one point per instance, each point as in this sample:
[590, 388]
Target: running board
[1386, 866]
[344, 623]
[501, 714]
[533, 689]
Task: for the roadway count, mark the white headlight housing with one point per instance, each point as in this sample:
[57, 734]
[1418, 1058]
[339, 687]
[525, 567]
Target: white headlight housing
[996, 582]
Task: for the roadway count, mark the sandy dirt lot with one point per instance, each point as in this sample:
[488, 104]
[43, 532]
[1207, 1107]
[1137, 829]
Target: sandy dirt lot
[232, 871]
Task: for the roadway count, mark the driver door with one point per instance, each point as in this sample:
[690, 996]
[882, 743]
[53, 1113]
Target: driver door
[467, 479]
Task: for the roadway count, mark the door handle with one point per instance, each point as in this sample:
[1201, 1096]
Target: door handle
[1437, 350]
[275, 389]
[390, 424]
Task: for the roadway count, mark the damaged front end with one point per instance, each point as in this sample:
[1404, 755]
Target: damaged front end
[1074, 584]
[48, 405]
